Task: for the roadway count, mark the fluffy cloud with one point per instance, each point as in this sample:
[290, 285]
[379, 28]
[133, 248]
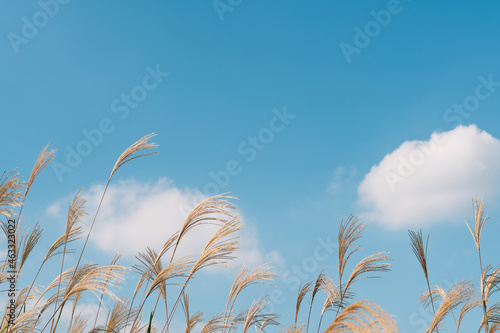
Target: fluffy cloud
[136, 215]
[423, 182]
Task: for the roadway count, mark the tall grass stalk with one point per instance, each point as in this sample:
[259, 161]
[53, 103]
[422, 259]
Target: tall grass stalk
[157, 273]
[417, 245]
[479, 222]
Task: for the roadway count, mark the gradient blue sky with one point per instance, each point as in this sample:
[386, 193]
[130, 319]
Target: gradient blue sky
[225, 79]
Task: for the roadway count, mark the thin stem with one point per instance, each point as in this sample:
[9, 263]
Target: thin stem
[92, 225]
[31, 287]
[85, 244]
[432, 300]
[484, 297]
[309, 315]
[320, 320]
[60, 279]
[58, 317]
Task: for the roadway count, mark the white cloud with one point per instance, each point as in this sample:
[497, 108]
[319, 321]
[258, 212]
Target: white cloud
[423, 182]
[136, 215]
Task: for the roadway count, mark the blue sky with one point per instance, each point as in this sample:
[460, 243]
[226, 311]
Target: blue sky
[210, 81]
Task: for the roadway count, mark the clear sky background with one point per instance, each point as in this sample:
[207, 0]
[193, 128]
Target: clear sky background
[384, 109]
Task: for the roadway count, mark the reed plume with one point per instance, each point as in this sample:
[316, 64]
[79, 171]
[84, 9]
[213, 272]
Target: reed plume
[10, 196]
[479, 222]
[131, 153]
[44, 158]
[459, 293]
[191, 321]
[349, 232]
[417, 245]
[302, 294]
[363, 316]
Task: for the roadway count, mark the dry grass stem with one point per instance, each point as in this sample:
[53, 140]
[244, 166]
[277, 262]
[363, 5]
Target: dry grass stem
[215, 210]
[131, 152]
[10, 196]
[191, 322]
[302, 294]
[42, 161]
[118, 318]
[373, 263]
[479, 221]
[295, 328]
[247, 278]
[420, 251]
[90, 278]
[254, 315]
[176, 269]
[363, 316]
[79, 325]
[459, 293]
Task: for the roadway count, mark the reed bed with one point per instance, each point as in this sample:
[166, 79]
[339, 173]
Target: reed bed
[163, 276]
